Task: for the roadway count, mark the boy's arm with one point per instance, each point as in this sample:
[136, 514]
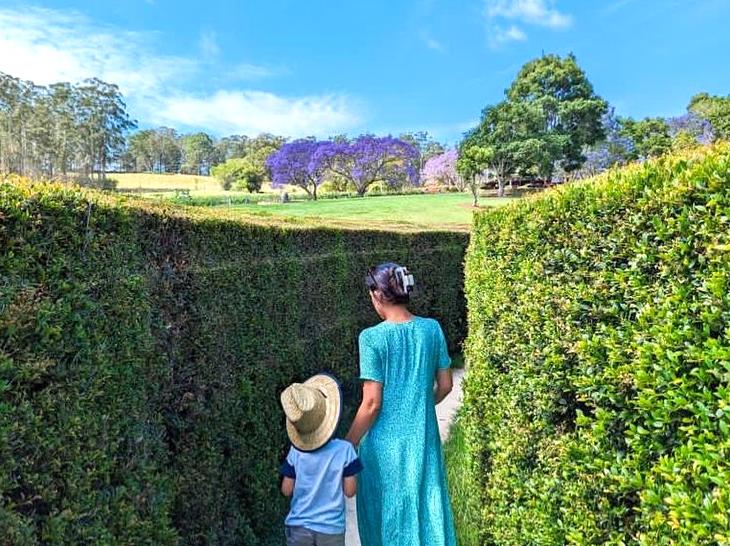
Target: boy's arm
[287, 486]
[349, 485]
[289, 474]
[352, 469]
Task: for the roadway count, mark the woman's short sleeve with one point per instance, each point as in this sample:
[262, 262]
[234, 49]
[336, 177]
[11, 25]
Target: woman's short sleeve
[444, 360]
[371, 368]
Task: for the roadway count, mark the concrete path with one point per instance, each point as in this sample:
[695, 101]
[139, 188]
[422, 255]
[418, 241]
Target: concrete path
[445, 413]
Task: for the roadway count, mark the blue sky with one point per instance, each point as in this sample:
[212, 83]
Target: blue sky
[316, 67]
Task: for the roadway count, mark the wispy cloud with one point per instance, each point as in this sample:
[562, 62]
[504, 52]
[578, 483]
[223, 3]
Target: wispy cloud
[542, 13]
[511, 34]
[616, 6]
[533, 12]
[209, 44]
[252, 112]
[253, 72]
[47, 46]
[431, 42]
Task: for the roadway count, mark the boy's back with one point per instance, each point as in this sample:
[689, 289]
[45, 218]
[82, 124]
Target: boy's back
[318, 471]
[318, 501]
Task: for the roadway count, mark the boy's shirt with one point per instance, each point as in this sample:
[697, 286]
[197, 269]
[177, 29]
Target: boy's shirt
[318, 502]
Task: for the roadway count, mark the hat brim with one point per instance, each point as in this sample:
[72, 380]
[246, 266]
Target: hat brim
[312, 441]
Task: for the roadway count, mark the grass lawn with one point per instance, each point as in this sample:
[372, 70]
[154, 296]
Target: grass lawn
[450, 210]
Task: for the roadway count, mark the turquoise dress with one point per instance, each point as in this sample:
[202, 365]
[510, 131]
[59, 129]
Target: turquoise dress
[402, 498]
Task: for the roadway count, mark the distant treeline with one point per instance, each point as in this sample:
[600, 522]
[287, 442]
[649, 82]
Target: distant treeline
[84, 131]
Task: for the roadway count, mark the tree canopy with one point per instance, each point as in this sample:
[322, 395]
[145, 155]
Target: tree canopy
[549, 115]
[714, 109]
[239, 173]
[296, 163]
[441, 170]
[369, 159]
[51, 130]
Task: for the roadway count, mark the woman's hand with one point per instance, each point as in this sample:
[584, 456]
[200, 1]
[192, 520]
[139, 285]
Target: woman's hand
[444, 385]
[372, 399]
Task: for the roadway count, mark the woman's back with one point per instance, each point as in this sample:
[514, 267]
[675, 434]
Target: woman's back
[403, 498]
[404, 357]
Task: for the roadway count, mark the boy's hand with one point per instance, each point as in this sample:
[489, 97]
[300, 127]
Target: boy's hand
[350, 486]
[287, 486]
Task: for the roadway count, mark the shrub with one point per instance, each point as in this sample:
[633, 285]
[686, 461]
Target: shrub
[597, 408]
[239, 174]
[143, 348]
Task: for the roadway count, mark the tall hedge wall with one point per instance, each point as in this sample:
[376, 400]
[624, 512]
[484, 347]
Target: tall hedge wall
[597, 404]
[142, 351]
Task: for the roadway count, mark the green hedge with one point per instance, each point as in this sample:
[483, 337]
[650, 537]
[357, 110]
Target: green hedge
[597, 408]
[142, 351]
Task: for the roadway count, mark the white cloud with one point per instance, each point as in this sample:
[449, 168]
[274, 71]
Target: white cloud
[253, 112]
[47, 46]
[250, 72]
[528, 12]
[533, 12]
[511, 34]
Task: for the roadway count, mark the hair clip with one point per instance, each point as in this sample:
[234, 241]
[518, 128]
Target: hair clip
[405, 278]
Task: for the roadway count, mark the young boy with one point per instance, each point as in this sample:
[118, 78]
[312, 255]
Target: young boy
[319, 471]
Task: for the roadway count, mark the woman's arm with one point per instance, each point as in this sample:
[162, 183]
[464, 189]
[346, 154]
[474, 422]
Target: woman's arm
[372, 398]
[444, 384]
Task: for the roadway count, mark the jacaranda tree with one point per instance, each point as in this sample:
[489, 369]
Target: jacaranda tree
[298, 163]
[441, 170]
[614, 149]
[369, 159]
[690, 130]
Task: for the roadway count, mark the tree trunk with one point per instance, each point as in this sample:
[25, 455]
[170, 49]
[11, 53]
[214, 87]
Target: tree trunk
[500, 187]
[314, 191]
[474, 187]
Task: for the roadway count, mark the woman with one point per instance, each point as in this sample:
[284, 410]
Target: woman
[402, 497]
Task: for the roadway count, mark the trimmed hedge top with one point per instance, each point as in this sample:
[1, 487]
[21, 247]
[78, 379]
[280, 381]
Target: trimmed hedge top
[143, 349]
[597, 406]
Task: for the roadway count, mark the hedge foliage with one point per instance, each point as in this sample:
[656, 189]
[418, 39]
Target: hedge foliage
[597, 407]
[142, 351]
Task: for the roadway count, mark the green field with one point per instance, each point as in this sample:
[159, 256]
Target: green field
[448, 210]
[451, 210]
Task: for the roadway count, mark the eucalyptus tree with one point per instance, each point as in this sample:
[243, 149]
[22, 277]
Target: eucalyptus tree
[102, 124]
[198, 153]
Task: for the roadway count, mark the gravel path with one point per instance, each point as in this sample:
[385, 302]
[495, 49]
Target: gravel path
[445, 413]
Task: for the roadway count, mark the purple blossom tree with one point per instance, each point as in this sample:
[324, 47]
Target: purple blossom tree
[691, 126]
[297, 163]
[369, 159]
[615, 149]
[441, 170]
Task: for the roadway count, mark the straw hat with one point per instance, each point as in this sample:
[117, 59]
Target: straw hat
[312, 411]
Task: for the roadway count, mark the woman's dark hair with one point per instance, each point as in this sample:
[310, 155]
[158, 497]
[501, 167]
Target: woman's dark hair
[388, 279]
